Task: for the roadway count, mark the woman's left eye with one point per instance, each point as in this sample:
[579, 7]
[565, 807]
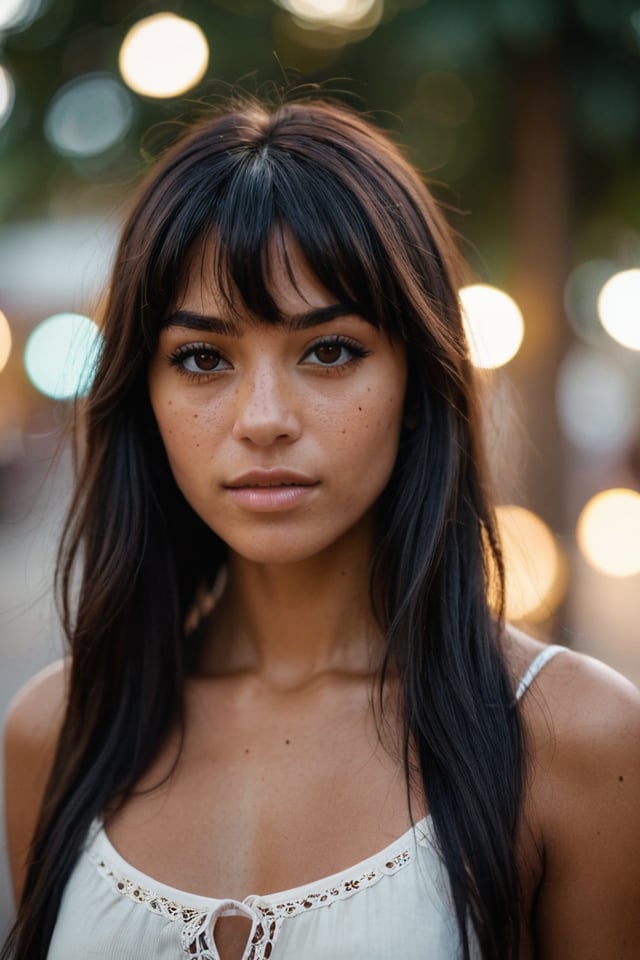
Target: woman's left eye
[334, 352]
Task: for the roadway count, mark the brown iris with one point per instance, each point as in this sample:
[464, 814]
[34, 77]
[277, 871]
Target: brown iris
[206, 361]
[328, 352]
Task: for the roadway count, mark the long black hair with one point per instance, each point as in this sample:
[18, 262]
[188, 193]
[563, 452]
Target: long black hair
[372, 234]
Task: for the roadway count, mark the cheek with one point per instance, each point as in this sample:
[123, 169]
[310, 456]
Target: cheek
[369, 433]
[187, 432]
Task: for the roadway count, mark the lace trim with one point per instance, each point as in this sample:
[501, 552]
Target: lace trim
[196, 936]
[341, 891]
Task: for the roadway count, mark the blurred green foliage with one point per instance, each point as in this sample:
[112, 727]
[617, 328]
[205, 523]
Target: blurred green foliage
[444, 75]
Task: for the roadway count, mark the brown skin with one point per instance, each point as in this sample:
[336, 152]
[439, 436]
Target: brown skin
[280, 732]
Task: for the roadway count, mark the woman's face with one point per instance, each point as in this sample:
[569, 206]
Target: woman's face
[280, 437]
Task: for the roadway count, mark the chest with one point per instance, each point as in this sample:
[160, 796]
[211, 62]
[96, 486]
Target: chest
[266, 794]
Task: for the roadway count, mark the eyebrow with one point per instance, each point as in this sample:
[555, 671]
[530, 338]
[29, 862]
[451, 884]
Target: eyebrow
[299, 321]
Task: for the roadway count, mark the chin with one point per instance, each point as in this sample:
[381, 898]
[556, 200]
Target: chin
[272, 553]
[274, 545]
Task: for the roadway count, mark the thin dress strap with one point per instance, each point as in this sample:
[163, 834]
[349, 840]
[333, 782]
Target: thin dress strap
[535, 667]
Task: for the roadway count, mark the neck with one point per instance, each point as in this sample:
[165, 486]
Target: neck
[291, 623]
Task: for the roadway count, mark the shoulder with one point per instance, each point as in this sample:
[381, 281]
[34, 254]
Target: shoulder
[574, 702]
[31, 729]
[35, 714]
[582, 718]
[582, 721]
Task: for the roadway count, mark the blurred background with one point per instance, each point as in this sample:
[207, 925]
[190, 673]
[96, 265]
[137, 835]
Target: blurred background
[524, 115]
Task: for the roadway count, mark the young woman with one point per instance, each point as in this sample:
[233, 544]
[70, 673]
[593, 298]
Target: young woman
[285, 674]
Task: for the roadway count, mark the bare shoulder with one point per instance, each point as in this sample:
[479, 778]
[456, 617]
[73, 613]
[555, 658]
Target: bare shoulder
[583, 724]
[40, 702]
[582, 719]
[35, 714]
[575, 701]
[31, 729]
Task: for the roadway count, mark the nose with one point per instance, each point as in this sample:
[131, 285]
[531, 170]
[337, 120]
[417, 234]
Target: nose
[266, 409]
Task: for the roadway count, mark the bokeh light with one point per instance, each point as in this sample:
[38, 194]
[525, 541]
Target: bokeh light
[61, 354]
[619, 308]
[608, 532]
[338, 13]
[5, 340]
[88, 115]
[493, 323]
[18, 14]
[163, 56]
[595, 398]
[7, 95]
[533, 564]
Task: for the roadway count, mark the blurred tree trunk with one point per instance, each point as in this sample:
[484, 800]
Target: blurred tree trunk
[541, 238]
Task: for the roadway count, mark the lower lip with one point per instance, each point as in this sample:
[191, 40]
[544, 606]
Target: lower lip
[271, 499]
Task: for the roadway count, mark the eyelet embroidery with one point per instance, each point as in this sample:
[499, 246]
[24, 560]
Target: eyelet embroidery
[196, 935]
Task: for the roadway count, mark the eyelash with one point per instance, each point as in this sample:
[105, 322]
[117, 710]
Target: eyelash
[181, 354]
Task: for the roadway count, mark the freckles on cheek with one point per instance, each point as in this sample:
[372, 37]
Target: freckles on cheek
[365, 419]
[184, 428]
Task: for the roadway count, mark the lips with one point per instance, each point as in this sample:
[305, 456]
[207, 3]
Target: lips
[258, 479]
[271, 491]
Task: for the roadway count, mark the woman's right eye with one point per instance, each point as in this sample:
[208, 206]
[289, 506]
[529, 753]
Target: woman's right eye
[198, 359]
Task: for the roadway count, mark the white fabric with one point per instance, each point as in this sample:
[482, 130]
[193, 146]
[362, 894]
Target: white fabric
[395, 904]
